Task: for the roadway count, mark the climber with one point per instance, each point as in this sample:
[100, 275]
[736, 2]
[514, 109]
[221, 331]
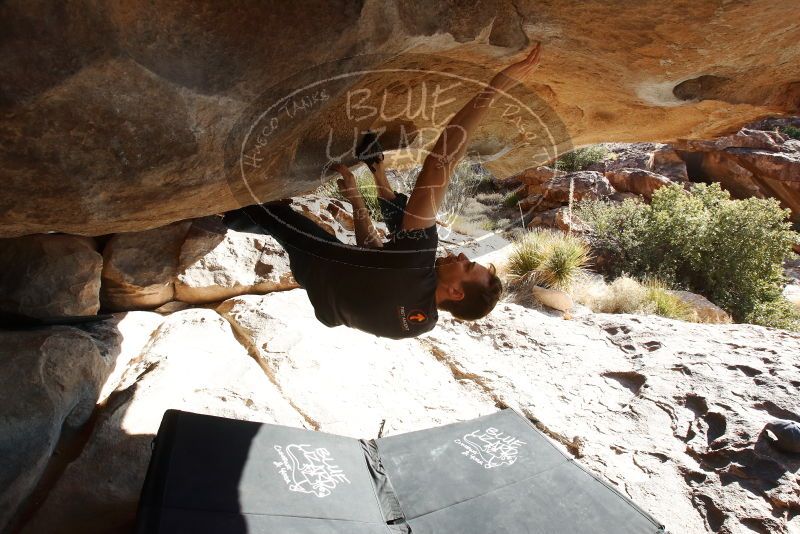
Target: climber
[394, 288]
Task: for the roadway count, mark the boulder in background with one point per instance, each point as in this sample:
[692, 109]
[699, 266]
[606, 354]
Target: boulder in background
[637, 181]
[217, 263]
[50, 275]
[139, 268]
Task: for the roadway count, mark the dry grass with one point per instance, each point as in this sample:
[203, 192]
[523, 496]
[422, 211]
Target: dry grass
[627, 295]
[465, 226]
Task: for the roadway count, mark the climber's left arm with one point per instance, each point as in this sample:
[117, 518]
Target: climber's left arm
[366, 235]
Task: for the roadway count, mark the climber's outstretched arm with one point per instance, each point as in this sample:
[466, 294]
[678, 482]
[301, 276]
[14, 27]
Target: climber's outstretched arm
[429, 191]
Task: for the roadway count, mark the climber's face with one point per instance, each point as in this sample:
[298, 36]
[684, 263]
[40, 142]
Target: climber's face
[452, 271]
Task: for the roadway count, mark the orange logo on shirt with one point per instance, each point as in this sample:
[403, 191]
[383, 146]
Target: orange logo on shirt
[417, 317]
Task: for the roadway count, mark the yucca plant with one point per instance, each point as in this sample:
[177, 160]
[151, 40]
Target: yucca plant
[547, 258]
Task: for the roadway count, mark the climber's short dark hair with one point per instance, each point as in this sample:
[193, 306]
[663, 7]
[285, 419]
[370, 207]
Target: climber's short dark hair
[479, 299]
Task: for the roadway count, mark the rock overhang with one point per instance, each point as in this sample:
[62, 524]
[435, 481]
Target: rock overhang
[123, 118]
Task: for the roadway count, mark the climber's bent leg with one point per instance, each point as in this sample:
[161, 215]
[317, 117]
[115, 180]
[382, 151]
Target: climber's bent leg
[301, 238]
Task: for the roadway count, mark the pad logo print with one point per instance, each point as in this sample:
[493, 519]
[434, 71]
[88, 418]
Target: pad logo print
[308, 470]
[490, 448]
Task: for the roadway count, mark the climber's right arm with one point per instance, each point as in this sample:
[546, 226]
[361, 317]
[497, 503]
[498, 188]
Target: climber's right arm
[450, 147]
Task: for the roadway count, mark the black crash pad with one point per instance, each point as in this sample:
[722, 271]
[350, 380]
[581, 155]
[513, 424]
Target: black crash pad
[496, 474]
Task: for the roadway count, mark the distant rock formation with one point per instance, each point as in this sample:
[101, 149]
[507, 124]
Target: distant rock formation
[750, 163]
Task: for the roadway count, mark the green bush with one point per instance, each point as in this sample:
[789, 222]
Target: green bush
[778, 313]
[511, 200]
[580, 158]
[731, 251]
[791, 131]
[547, 258]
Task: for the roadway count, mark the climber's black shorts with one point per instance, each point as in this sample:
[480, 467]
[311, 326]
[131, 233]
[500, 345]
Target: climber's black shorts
[301, 238]
[393, 211]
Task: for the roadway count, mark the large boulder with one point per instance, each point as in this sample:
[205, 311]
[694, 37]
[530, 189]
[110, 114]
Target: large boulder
[667, 162]
[744, 138]
[534, 178]
[625, 156]
[574, 186]
[139, 268]
[49, 276]
[557, 218]
[217, 263]
[558, 191]
[50, 381]
[582, 185]
[774, 173]
[120, 340]
[357, 381]
[128, 117]
[707, 311]
[637, 181]
[667, 412]
[193, 362]
[553, 298]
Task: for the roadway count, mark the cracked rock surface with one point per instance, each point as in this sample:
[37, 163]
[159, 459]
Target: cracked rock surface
[670, 413]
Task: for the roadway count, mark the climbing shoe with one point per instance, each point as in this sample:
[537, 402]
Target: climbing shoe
[369, 150]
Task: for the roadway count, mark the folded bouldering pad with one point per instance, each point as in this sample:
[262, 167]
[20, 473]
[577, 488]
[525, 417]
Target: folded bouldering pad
[495, 474]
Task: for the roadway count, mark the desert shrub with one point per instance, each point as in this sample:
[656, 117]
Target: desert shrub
[366, 186]
[791, 131]
[624, 295]
[489, 199]
[580, 158]
[778, 313]
[547, 258]
[731, 251]
[618, 230]
[467, 226]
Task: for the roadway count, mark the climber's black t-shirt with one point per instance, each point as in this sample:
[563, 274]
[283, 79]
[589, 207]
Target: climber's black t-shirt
[387, 292]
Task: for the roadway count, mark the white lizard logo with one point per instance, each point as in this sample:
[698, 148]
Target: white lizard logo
[308, 470]
[491, 447]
